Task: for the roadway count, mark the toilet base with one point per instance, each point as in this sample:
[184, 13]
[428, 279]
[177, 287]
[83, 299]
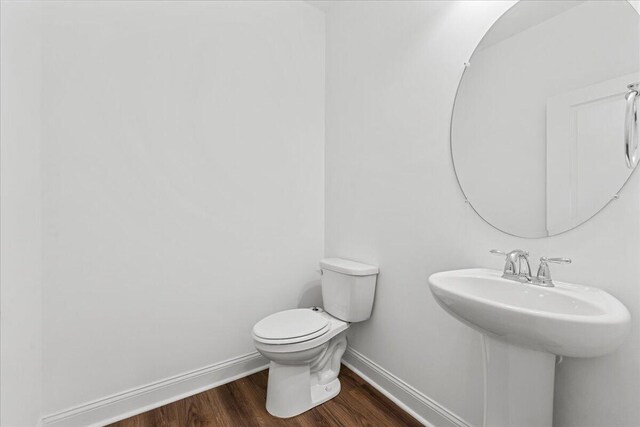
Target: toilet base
[289, 392]
[294, 389]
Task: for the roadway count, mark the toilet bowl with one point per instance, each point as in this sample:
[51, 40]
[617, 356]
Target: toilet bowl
[305, 345]
[304, 369]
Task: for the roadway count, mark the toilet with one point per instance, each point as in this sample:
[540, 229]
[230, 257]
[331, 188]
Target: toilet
[305, 345]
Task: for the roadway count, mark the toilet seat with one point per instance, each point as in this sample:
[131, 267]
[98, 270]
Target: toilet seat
[291, 326]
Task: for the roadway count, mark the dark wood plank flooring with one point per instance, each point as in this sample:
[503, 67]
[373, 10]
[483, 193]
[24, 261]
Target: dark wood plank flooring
[241, 403]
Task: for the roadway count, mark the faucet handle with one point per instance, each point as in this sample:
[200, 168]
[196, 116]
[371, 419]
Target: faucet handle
[556, 260]
[510, 253]
[544, 273]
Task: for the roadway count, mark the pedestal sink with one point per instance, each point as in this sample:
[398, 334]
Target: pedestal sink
[523, 328]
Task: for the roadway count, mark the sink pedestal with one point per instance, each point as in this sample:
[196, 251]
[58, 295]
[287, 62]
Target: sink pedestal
[518, 385]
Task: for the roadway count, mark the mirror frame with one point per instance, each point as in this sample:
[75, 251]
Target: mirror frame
[466, 64]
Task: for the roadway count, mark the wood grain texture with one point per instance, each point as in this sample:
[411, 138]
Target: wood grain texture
[241, 404]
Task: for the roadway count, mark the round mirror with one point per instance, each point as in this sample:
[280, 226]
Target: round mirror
[544, 127]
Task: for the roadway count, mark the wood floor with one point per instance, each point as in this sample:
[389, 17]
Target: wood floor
[241, 403]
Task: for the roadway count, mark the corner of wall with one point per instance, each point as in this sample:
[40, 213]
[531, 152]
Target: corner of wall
[21, 215]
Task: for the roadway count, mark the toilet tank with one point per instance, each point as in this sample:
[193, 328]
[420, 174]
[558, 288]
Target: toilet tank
[348, 288]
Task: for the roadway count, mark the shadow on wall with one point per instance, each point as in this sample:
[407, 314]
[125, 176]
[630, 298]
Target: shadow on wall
[311, 295]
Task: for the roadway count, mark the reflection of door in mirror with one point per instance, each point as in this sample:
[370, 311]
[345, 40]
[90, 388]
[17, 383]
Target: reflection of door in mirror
[585, 161]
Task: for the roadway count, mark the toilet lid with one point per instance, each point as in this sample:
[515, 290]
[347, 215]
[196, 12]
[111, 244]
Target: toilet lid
[297, 325]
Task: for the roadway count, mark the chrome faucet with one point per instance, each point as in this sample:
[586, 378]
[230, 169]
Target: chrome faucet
[517, 267]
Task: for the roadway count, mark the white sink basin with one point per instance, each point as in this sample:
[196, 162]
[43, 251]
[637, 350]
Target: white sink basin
[567, 320]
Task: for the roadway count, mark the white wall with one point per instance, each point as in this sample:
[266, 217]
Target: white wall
[516, 77]
[157, 262]
[20, 215]
[392, 199]
[183, 184]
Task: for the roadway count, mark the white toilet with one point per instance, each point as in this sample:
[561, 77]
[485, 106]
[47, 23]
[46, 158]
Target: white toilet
[305, 345]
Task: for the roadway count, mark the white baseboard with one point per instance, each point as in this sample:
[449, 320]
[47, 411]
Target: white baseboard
[418, 405]
[136, 401]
